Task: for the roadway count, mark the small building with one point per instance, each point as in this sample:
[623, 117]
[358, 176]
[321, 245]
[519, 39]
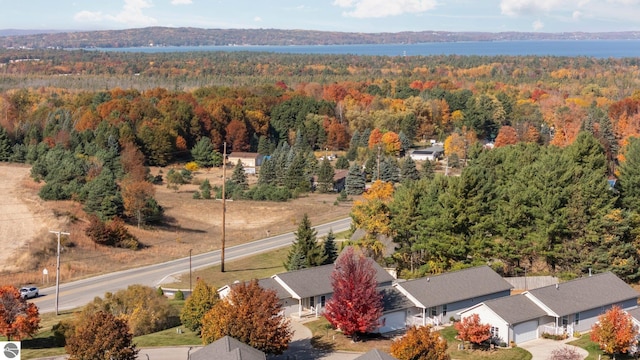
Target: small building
[248, 159]
[556, 309]
[432, 153]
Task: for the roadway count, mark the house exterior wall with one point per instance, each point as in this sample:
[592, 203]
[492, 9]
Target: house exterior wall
[487, 316]
[590, 317]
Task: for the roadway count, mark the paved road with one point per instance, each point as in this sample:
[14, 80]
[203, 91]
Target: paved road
[78, 293]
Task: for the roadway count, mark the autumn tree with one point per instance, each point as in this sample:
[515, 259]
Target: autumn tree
[136, 196]
[18, 318]
[197, 305]
[250, 314]
[391, 144]
[507, 135]
[101, 336]
[615, 331]
[306, 245]
[356, 304]
[420, 343]
[470, 329]
[566, 353]
[372, 215]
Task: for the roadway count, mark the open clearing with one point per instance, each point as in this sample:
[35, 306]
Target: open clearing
[191, 224]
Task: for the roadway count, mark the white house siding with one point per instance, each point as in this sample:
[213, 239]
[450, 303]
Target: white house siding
[487, 316]
[393, 321]
[590, 317]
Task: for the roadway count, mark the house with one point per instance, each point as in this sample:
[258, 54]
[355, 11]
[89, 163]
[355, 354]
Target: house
[556, 309]
[432, 153]
[248, 159]
[375, 354]
[339, 180]
[437, 299]
[305, 292]
[227, 348]
[394, 310]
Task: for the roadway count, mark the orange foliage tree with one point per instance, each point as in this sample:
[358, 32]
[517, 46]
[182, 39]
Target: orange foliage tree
[250, 314]
[507, 135]
[420, 343]
[375, 138]
[391, 143]
[18, 318]
[614, 331]
[470, 329]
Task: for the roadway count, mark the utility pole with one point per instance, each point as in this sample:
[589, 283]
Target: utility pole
[58, 267]
[190, 290]
[224, 205]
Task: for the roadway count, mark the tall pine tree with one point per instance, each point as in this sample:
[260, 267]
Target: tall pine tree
[354, 183]
[239, 176]
[329, 248]
[325, 176]
[306, 245]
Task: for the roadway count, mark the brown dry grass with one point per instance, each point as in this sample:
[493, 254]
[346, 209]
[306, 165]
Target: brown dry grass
[192, 224]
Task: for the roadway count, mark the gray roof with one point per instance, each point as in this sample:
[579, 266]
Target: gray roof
[635, 313]
[585, 294]
[317, 280]
[393, 299]
[515, 309]
[271, 284]
[455, 286]
[228, 348]
[375, 354]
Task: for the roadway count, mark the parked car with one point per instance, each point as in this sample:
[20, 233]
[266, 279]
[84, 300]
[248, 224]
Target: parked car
[29, 292]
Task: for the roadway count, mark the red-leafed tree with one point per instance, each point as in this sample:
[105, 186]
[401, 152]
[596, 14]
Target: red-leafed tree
[507, 135]
[356, 304]
[237, 135]
[614, 331]
[375, 138]
[18, 318]
[470, 329]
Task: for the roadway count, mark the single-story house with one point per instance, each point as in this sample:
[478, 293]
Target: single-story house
[432, 153]
[339, 180]
[305, 292]
[375, 354]
[556, 309]
[438, 298]
[227, 348]
[394, 310]
[248, 159]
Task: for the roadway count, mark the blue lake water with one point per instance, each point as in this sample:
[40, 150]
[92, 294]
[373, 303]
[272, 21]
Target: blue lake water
[572, 48]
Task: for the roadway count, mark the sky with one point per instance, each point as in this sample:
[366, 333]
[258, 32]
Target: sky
[328, 15]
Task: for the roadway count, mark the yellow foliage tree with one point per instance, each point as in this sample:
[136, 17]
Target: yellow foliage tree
[391, 143]
[372, 215]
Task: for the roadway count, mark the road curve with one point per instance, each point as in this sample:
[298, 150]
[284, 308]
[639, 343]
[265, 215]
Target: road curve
[78, 293]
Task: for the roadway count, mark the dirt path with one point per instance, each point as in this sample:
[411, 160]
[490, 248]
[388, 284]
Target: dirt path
[21, 217]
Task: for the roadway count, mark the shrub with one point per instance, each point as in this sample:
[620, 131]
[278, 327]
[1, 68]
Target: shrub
[196, 195]
[179, 295]
[61, 331]
[112, 233]
[159, 291]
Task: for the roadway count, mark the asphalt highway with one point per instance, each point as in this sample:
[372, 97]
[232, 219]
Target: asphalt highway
[78, 293]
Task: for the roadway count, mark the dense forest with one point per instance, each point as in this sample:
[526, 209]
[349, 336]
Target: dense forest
[187, 36]
[558, 191]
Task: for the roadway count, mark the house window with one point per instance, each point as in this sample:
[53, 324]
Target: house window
[322, 300]
[434, 311]
[444, 309]
[576, 319]
[312, 301]
[565, 321]
[495, 332]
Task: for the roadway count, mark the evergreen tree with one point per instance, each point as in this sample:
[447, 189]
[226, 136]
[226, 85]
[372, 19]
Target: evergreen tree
[5, 145]
[103, 196]
[329, 248]
[354, 183]
[405, 142]
[427, 171]
[364, 138]
[296, 176]
[264, 145]
[202, 152]
[297, 260]
[239, 176]
[267, 174]
[342, 163]
[205, 189]
[409, 172]
[325, 176]
[305, 245]
[371, 167]
[389, 170]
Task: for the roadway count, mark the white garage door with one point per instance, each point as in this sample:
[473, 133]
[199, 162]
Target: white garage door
[392, 321]
[526, 331]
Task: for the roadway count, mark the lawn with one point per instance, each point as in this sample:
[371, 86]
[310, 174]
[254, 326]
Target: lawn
[515, 353]
[594, 350]
[328, 339]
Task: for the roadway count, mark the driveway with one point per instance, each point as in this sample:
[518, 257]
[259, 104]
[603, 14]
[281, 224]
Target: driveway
[541, 349]
[300, 347]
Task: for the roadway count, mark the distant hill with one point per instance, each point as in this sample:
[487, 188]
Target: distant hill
[167, 36]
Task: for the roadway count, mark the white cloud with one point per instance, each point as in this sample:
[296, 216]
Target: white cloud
[527, 7]
[257, 19]
[131, 14]
[88, 16]
[577, 15]
[181, 2]
[537, 25]
[383, 8]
